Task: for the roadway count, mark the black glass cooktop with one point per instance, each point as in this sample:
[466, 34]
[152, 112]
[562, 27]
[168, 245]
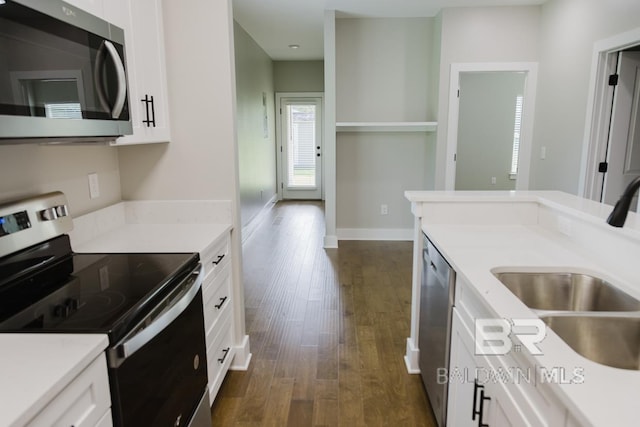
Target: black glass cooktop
[48, 289]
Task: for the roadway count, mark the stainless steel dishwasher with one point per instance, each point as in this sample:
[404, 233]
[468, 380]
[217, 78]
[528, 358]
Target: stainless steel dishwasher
[434, 335]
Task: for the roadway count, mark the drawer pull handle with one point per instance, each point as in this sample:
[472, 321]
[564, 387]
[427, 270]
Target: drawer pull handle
[222, 301]
[478, 412]
[226, 352]
[220, 257]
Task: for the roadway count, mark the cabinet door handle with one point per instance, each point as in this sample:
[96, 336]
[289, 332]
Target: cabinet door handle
[151, 115]
[222, 300]
[226, 352]
[480, 411]
[220, 257]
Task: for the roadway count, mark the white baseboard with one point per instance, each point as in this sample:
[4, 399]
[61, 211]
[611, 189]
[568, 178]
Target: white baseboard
[411, 358]
[242, 356]
[375, 234]
[250, 228]
[330, 242]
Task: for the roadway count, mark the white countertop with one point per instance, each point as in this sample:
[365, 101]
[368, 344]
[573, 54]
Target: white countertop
[29, 380]
[607, 396]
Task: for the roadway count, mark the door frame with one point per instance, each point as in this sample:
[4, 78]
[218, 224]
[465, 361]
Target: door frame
[526, 134]
[279, 163]
[598, 115]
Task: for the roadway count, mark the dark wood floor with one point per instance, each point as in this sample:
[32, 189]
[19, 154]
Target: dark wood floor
[328, 330]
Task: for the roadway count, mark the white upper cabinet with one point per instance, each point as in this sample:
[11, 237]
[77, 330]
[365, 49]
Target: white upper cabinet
[94, 7]
[146, 68]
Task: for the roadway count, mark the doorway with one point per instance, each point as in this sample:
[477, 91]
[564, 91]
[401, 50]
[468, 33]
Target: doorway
[299, 156]
[621, 163]
[611, 154]
[489, 129]
[490, 126]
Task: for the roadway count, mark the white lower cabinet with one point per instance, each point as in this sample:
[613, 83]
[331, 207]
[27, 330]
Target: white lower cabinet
[84, 402]
[479, 392]
[218, 312]
[492, 390]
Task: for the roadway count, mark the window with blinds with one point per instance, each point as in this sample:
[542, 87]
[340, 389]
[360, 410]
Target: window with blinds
[66, 110]
[516, 137]
[301, 155]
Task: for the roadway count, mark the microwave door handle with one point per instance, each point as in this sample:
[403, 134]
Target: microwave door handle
[124, 350]
[121, 96]
[97, 77]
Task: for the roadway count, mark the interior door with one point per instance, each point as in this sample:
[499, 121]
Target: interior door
[624, 136]
[489, 128]
[301, 148]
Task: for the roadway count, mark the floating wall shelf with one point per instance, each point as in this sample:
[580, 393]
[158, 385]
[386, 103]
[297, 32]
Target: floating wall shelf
[386, 126]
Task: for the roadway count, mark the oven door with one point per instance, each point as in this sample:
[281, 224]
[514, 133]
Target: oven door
[158, 372]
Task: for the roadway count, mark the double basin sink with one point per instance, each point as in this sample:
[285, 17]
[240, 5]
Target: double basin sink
[596, 319]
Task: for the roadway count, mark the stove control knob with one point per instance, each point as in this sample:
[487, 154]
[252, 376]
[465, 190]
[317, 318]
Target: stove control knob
[48, 214]
[62, 210]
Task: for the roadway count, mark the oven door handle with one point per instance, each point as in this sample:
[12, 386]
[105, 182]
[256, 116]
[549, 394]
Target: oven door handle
[122, 351]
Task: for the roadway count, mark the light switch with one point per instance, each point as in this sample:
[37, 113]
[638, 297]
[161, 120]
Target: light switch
[94, 186]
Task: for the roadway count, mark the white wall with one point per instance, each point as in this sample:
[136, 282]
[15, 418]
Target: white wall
[33, 169]
[256, 151]
[199, 163]
[569, 29]
[382, 69]
[383, 72]
[489, 34]
[298, 76]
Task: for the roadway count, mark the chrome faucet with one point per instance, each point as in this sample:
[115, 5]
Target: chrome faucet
[619, 213]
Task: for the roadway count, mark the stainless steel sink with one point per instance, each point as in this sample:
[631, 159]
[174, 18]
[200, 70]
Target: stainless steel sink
[611, 341]
[567, 292]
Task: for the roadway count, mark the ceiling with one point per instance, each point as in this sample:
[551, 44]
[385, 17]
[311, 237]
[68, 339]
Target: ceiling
[276, 24]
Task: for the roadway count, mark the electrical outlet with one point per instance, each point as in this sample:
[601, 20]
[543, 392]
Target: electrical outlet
[94, 186]
[384, 210]
[543, 153]
[493, 180]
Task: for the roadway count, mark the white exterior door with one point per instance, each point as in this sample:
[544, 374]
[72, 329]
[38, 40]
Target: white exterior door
[624, 137]
[300, 148]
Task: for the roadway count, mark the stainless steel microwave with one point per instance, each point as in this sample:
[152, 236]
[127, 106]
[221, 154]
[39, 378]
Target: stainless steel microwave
[62, 74]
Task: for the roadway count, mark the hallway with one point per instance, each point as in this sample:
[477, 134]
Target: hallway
[328, 330]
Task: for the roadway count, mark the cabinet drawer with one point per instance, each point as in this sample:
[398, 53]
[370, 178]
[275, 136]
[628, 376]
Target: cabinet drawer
[220, 353]
[214, 258]
[216, 297]
[82, 403]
